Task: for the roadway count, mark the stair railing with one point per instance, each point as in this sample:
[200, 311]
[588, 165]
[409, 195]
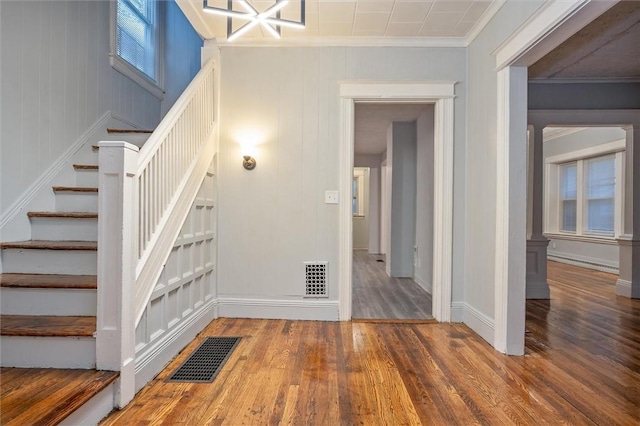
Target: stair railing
[144, 197]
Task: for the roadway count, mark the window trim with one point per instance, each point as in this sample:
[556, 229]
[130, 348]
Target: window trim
[155, 87]
[553, 220]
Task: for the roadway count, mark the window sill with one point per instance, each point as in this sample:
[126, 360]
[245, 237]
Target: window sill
[124, 68]
[582, 238]
[358, 216]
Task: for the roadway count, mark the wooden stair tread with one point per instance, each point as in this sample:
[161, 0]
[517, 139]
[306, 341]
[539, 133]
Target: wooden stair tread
[47, 325]
[129, 131]
[85, 166]
[74, 189]
[48, 281]
[68, 215]
[46, 396]
[51, 245]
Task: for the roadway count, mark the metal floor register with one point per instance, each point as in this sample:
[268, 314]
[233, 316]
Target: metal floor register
[204, 364]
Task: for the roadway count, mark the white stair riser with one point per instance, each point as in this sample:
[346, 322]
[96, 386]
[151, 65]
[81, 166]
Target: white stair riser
[68, 201]
[87, 178]
[48, 301]
[94, 410]
[29, 261]
[48, 352]
[64, 229]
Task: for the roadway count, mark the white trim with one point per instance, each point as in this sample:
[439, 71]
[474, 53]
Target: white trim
[560, 133]
[594, 151]
[582, 238]
[155, 356]
[479, 322]
[511, 202]
[624, 288]
[89, 136]
[484, 20]
[594, 80]
[306, 309]
[155, 87]
[426, 286]
[441, 94]
[349, 42]
[554, 22]
[583, 261]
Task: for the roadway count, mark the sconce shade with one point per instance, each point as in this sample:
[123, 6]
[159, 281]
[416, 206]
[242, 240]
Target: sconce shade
[249, 162]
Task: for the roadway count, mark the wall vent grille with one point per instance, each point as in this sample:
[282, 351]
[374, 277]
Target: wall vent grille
[316, 279]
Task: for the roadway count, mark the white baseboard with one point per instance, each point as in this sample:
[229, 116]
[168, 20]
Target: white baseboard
[624, 288]
[457, 311]
[156, 355]
[426, 287]
[537, 289]
[479, 322]
[306, 309]
[584, 261]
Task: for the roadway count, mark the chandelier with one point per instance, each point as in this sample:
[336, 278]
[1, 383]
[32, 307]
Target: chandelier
[269, 19]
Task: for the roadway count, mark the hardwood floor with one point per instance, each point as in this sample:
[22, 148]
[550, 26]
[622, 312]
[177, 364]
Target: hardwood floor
[46, 396]
[582, 366]
[377, 296]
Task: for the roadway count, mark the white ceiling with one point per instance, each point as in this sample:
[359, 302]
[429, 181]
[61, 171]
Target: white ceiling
[419, 20]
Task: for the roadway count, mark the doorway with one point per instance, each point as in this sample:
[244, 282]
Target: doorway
[393, 211]
[440, 95]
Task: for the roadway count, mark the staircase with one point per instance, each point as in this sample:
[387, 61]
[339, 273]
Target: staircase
[48, 296]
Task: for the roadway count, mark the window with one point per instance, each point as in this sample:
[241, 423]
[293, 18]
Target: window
[568, 196]
[136, 34]
[136, 42]
[584, 192]
[600, 194]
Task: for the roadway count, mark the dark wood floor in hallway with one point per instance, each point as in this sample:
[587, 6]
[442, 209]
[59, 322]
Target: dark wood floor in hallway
[377, 296]
[582, 366]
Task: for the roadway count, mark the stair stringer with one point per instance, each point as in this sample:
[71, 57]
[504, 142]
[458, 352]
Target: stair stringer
[184, 297]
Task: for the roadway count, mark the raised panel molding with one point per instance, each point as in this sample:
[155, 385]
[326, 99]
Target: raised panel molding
[184, 300]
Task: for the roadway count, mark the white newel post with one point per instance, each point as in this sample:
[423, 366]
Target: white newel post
[628, 283]
[537, 285]
[115, 334]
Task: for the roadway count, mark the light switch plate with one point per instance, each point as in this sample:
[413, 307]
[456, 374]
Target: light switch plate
[331, 197]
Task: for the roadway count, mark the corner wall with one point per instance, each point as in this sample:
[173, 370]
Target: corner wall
[479, 289]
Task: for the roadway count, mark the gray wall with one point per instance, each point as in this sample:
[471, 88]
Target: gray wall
[479, 288]
[56, 82]
[584, 95]
[372, 161]
[401, 152]
[423, 274]
[274, 218]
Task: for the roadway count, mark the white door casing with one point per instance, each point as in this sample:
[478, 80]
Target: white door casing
[441, 94]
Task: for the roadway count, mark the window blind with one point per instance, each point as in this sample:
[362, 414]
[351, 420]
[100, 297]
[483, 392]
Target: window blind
[135, 35]
[600, 194]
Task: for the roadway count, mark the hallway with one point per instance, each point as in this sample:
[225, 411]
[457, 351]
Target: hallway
[377, 296]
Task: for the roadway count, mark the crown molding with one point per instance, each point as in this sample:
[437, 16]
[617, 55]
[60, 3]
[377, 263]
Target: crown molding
[349, 42]
[484, 20]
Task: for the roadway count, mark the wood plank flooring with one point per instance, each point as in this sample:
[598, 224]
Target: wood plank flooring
[46, 396]
[582, 366]
[377, 296]
[47, 325]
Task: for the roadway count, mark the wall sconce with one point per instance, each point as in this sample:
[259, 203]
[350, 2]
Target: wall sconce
[248, 162]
